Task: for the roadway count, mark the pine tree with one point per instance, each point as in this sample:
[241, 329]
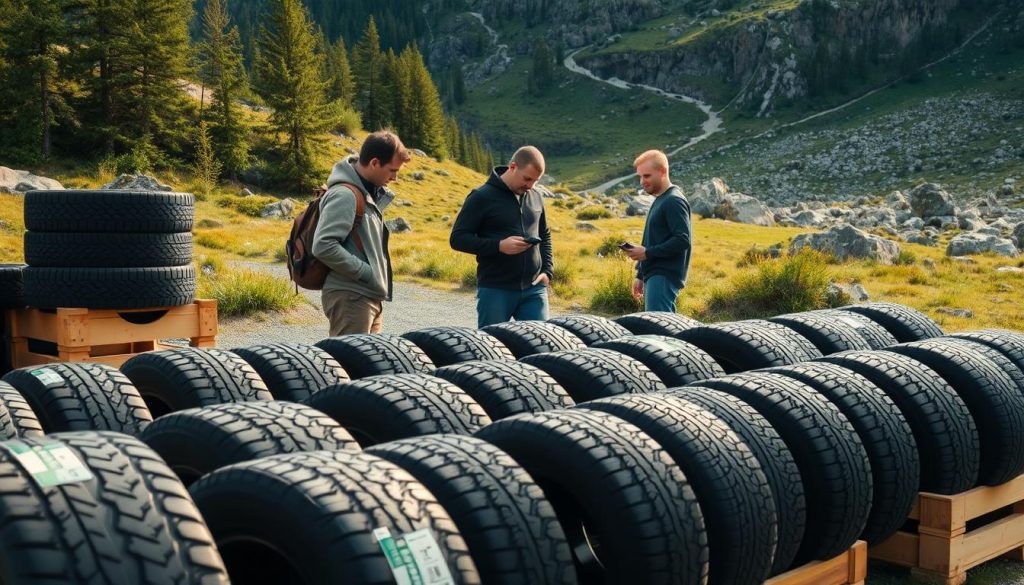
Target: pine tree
[221, 67]
[33, 92]
[206, 167]
[287, 77]
[393, 95]
[342, 85]
[458, 86]
[424, 114]
[542, 72]
[368, 70]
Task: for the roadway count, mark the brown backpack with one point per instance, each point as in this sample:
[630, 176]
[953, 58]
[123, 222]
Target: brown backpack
[303, 268]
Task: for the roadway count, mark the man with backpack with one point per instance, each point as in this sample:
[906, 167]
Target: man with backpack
[351, 239]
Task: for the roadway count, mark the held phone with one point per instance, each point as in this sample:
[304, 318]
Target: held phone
[533, 240]
[626, 246]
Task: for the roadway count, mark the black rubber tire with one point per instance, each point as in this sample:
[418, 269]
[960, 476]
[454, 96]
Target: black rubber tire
[775, 459]
[748, 345]
[17, 418]
[398, 406]
[363, 355]
[828, 335]
[675, 361]
[293, 371]
[525, 338]
[944, 431]
[587, 374]
[505, 388]
[452, 345]
[610, 481]
[833, 464]
[993, 398]
[510, 527]
[310, 519]
[110, 288]
[732, 489]
[196, 441]
[591, 329]
[115, 211]
[176, 379]
[657, 323]
[81, 396]
[12, 287]
[878, 337]
[905, 323]
[885, 433]
[106, 250]
[132, 522]
[1009, 343]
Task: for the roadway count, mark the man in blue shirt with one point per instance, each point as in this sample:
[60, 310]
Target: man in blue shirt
[663, 258]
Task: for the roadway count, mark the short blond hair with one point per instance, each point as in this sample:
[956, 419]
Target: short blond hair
[659, 158]
[529, 155]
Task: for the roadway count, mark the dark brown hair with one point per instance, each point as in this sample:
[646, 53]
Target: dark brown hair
[383, 145]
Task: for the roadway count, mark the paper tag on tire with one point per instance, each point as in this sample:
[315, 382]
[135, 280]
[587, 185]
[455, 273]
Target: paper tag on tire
[48, 377]
[49, 462]
[415, 557]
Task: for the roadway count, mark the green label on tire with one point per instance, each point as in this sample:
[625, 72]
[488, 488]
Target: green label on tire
[48, 377]
[49, 462]
[414, 557]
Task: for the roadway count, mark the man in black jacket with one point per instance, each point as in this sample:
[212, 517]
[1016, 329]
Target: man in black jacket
[663, 258]
[502, 222]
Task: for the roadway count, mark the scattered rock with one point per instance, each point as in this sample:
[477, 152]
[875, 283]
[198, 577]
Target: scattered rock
[446, 218]
[12, 181]
[846, 241]
[418, 176]
[976, 243]
[245, 193]
[398, 225]
[1018, 235]
[442, 173]
[137, 182]
[209, 223]
[929, 200]
[584, 226]
[282, 209]
[854, 292]
[1011, 270]
[742, 208]
[962, 313]
[707, 195]
[639, 205]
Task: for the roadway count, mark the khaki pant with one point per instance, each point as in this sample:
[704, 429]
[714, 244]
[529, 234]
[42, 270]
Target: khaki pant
[351, 312]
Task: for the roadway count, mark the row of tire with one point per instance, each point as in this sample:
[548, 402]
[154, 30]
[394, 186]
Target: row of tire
[610, 451]
[100, 249]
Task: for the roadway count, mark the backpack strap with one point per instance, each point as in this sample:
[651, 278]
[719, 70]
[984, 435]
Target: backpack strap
[360, 212]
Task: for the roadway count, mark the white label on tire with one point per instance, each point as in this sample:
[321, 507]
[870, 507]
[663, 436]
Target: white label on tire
[856, 324]
[49, 462]
[48, 377]
[414, 557]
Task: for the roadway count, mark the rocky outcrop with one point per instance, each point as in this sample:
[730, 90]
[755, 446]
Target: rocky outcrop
[930, 200]
[846, 242]
[639, 205]
[975, 243]
[137, 182]
[714, 199]
[12, 181]
[573, 22]
[283, 209]
[398, 225]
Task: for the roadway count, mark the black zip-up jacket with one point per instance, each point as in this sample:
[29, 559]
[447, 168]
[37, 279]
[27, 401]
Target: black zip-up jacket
[491, 213]
[667, 238]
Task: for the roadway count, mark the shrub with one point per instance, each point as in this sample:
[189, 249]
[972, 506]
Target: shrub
[787, 285]
[348, 121]
[566, 271]
[245, 292]
[593, 212]
[251, 206]
[614, 295]
[906, 258]
[756, 255]
[609, 246]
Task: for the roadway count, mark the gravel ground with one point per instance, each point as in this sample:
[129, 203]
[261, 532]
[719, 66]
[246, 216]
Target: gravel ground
[414, 307]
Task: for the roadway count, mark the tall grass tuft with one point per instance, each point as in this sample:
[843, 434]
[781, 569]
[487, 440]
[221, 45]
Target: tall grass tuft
[244, 292]
[614, 295]
[786, 285]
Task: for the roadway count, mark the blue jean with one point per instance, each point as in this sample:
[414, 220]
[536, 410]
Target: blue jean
[660, 294]
[497, 305]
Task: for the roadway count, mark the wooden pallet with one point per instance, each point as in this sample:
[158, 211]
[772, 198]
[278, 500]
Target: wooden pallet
[942, 549]
[849, 568]
[105, 336]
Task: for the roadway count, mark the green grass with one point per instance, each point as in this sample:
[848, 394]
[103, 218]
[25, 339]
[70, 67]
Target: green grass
[247, 292]
[585, 128]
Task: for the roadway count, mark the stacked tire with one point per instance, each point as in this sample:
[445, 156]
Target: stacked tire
[108, 249]
[12, 296]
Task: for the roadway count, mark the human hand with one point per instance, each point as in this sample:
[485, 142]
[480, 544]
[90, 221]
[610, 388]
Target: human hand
[513, 245]
[638, 253]
[638, 289]
[542, 279]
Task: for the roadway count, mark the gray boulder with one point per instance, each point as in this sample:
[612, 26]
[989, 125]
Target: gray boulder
[809, 218]
[1018, 235]
[930, 200]
[845, 241]
[137, 183]
[639, 205]
[12, 181]
[742, 208]
[398, 225]
[584, 226]
[962, 313]
[855, 292]
[896, 200]
[914, 223]
[976, 243]
[418, 176]
[282, 209]
[707, 195]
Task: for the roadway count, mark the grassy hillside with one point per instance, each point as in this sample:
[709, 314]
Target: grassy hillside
[587, 262]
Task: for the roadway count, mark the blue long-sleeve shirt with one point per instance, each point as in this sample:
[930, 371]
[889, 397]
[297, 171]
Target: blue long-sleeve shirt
[667, 238]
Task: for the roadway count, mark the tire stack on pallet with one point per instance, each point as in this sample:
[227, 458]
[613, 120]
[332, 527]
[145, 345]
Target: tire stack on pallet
[12, 296]
[108, 249]
[652, 449]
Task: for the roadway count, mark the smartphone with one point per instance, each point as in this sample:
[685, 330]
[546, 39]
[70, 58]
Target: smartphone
[533, 240]
[626, 246]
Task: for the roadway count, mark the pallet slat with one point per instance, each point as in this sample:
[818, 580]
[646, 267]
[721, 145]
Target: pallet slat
[849, 568]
